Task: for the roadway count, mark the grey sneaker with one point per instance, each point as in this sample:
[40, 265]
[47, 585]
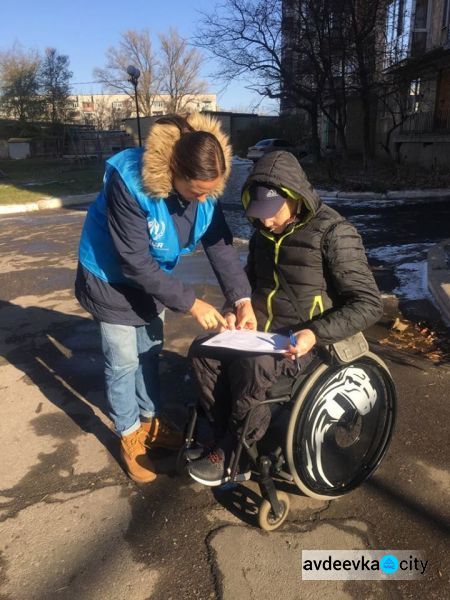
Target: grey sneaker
[211, 470]
[196, 451]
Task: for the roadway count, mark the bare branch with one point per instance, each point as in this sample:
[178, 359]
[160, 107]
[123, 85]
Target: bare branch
[135, 48]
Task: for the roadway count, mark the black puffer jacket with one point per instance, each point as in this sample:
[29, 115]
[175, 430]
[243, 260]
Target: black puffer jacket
[321, 257]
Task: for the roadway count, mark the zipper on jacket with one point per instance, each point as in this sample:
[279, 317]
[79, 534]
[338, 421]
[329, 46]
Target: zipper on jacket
[275, 276]
[317, 303]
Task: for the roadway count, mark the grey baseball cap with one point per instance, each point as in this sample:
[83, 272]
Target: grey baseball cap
[264, 202]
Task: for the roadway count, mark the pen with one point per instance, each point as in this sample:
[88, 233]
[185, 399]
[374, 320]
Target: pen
[293, 342]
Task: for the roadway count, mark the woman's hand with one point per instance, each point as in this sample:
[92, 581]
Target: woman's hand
[245, 317]
[306, 339]
[206, 315]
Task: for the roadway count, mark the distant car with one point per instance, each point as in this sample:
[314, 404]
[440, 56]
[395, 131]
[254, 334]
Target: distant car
[270, 145]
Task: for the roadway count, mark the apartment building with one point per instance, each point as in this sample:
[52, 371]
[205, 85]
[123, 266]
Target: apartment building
[106, 111]
[411, 83]
[417, 34]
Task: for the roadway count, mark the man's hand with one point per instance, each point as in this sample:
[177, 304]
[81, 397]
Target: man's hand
[245, 317]
[207, 316]
[306, 339]
[230, 318]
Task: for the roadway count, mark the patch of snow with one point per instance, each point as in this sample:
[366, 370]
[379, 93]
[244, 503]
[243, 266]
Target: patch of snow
[398, 254]
[379, 203]
[412, 279]
[237, 160]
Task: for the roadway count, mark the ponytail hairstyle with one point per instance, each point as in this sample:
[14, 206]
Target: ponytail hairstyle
[185, 146]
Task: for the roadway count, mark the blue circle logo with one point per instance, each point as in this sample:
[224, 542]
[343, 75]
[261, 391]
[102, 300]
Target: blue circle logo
[389, 564]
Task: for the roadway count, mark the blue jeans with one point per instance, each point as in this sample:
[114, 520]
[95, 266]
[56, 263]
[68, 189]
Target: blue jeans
[131, 371]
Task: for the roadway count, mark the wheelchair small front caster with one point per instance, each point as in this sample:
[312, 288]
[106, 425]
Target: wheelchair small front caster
[266, 518]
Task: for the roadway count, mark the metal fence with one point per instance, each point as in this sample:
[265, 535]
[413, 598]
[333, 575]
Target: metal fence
[427, 122]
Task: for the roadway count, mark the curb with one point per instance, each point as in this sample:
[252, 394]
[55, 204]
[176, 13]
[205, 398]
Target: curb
[46, 204]
[439, 277]
[50, 202]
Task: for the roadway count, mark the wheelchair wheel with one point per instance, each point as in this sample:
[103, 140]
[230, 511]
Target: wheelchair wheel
[340, 426]
[266, 518]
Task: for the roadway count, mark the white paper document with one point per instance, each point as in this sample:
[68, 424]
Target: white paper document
[250, 341]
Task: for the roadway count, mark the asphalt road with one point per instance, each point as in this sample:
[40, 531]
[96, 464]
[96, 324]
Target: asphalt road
[73, 526]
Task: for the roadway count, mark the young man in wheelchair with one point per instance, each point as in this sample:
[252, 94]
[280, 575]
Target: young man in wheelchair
[309, 275]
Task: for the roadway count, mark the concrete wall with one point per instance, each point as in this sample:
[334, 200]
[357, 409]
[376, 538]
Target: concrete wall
[234, 124]
[19, 150]
[4, 150]
[426, 154]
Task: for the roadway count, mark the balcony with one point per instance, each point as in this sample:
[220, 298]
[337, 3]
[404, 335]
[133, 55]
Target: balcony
[434, 123]
[396, 50]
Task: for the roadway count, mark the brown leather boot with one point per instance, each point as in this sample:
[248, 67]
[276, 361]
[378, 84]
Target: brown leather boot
[134, 456]
[162, 435]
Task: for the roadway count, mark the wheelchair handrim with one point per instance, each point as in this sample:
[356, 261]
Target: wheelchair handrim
[300, 474]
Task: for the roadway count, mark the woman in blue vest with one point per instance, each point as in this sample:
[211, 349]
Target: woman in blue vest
[156, 205]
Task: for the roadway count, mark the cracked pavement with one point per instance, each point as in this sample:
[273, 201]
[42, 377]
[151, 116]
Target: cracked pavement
[73, 526]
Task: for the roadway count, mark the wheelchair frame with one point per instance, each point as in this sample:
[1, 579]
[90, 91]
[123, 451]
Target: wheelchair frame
[267, 466]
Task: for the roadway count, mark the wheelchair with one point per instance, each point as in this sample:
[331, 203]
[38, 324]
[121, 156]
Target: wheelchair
[330, 429]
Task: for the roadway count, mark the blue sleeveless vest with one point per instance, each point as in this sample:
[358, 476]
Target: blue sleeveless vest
[97, 252]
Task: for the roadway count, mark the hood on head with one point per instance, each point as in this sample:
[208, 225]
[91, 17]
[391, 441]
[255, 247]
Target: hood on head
[283, 171]
[156, 174]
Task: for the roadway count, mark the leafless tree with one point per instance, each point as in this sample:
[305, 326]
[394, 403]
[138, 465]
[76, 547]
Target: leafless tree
[102, 113]
[314, 55]
[367, 54]
[134, 48]
[246, 38]
[319, 41]
[19, 84]
[180, 71]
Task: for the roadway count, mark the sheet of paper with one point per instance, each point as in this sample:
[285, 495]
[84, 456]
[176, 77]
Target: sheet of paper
[250, 341]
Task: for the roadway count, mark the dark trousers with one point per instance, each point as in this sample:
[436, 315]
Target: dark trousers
[232, 382]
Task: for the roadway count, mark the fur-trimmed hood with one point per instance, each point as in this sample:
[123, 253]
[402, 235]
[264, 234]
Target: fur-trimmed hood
[156, 175]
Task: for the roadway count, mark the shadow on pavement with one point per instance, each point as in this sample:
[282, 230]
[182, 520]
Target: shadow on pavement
[61, 355]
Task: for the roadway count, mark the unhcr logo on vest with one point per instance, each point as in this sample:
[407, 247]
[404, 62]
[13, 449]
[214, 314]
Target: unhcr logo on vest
[156, 230]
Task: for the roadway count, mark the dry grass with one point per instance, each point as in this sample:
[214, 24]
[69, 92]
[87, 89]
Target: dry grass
[32, 179]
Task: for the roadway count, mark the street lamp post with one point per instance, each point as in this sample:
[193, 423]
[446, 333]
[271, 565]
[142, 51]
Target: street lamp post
[134, 74]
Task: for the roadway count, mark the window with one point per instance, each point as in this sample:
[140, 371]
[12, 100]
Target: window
[119, 104]
[445, 13]
[88, 106]
[421, 15]
[398, 31]
[415, 96]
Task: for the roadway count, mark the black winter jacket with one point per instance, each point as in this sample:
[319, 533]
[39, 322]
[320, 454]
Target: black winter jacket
[321, 257]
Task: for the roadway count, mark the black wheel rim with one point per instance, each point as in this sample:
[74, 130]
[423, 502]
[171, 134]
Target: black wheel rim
[344, 427]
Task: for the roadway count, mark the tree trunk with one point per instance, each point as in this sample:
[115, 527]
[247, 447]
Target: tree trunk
[315, 140]
[368, 151]
[340, 130]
